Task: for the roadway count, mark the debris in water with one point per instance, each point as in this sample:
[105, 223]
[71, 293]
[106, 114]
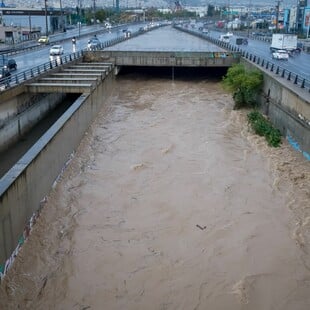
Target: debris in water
[200, 227]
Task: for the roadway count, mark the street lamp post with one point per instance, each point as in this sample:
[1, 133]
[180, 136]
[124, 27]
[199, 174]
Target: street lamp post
[79, 16]
[62, 26]
[277, 14]
[46, 24]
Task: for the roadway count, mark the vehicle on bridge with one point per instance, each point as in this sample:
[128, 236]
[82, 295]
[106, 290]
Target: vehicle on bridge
[44, 40]
[242, 41]
[5, 78]
[11, 64]
[6, 63]
[280, 54]
[287, 42]
[93, 43]
[56, 50]
[225, 38]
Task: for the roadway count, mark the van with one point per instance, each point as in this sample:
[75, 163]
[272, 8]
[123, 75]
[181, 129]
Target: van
[225, 38]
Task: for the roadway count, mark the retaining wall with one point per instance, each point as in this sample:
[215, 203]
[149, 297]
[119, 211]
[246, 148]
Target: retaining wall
[287, 106]
[31, 179]
[20, 122]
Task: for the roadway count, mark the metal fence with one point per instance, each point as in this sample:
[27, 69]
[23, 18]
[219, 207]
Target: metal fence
[16, 79]
[291, 76]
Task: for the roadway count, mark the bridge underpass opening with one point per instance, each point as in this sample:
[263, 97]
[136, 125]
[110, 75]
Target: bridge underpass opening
[189, 73]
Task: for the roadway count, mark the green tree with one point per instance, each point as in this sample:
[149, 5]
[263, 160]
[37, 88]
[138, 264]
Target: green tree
[244, 84]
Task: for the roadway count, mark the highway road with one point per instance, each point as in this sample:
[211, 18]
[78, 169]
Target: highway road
[299, 64]
[162, 40]
[32, 58]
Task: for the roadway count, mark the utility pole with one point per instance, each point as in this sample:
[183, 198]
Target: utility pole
[94, 11]
[62, 26]
[46, 24]
[277, 15]
[79, 5]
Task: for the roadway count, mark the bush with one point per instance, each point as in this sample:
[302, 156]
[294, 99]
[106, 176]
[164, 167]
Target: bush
[263, 127]
[244, 84]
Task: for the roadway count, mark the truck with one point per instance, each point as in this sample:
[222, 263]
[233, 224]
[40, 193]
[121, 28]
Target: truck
[287, 42]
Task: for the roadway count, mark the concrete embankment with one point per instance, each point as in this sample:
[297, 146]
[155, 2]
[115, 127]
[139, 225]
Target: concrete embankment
[30, 180]
[287, 106]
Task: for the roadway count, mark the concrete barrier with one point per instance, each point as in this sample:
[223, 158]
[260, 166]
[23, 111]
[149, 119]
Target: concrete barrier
[287, 106]
[31, 179]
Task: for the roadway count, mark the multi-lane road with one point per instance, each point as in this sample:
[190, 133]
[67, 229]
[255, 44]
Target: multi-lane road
[35, 57]
[299, 64]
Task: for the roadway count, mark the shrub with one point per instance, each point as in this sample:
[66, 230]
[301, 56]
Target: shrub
[263, 127]
[244, 84]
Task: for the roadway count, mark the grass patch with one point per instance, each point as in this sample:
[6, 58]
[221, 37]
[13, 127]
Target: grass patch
[264, 128]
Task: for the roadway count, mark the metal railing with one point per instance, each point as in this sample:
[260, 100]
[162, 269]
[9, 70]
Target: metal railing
[16, 79]
[291, 76]
[21, 77]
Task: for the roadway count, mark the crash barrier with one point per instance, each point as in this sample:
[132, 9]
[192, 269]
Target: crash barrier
[293, 77]
[24, 188]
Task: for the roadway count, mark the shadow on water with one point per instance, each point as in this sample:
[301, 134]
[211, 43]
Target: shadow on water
[179, 73]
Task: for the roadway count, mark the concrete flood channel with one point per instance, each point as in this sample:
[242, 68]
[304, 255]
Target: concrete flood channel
[169, 202]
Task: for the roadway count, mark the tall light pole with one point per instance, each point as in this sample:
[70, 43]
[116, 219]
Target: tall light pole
[94, 11]
[46, 24]
[277, 14]
[62, 26]
[79, 15]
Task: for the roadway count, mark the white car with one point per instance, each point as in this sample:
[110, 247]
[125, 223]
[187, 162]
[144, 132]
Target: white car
[280, 54]
[56, 50]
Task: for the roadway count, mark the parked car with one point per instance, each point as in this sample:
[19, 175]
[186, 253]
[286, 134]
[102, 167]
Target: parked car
[11, 64]
[280, 54]
[5, 76]
[56, 50]
[93, 44]
[44, 40]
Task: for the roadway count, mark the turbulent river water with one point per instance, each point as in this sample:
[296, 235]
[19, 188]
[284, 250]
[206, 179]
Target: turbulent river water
[170, 202]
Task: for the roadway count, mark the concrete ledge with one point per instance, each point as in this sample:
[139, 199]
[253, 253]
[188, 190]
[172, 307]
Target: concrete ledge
[65, 80]
[60, 88]
[82, 70]
[100, 76]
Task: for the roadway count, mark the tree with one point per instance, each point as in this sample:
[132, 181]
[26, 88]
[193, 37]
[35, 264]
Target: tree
[244, 84]
[210, 11]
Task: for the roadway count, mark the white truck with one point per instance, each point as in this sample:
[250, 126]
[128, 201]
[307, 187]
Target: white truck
[287, 42]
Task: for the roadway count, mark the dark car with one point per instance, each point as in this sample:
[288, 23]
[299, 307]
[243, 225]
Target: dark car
[93, 44]
[11, 64]
[5, 76]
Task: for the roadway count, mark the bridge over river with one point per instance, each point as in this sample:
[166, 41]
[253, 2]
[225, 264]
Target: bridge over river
[167, 201]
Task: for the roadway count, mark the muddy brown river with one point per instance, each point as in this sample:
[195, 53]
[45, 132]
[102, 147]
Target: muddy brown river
[170, 202]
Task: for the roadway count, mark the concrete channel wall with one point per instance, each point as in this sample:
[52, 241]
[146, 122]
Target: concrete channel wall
[287, 106]
[21, 110]
[19, 123]
[31, 179]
